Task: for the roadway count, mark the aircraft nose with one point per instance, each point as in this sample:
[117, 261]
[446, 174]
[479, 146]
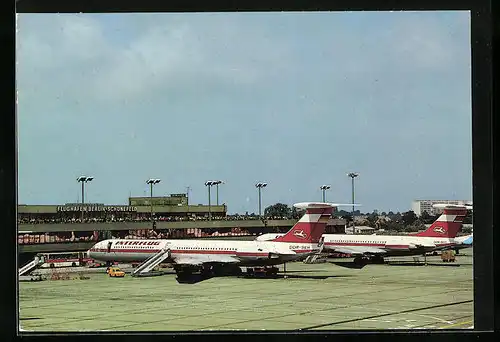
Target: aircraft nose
[90, 252]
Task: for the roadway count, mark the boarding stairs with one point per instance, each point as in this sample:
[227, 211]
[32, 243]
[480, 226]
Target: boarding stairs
[152, 262]
[32, 265]
[311, 259]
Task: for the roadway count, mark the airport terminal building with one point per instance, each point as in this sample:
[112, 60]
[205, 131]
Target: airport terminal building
[76, 226]
[419, 206]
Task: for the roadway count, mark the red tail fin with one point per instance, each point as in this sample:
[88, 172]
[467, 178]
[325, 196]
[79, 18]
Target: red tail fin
[447, 225]
[311, 226]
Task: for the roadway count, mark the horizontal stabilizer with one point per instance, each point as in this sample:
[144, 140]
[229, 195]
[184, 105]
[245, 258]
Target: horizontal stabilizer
[310, 205]
[451, 206]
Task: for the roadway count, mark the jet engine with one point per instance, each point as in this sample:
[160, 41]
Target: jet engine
[273, 255]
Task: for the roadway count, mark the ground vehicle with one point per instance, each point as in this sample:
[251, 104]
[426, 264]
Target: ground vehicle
[95, 264]
[261, 271]
[448, 256]
[114, 271]
[64, 259]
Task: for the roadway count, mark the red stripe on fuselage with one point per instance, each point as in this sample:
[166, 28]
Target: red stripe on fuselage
[341, 244]
[354, 244]
[190, 251]
[125, 250]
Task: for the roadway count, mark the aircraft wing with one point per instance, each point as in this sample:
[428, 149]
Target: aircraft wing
[204, 259]
[359, 250]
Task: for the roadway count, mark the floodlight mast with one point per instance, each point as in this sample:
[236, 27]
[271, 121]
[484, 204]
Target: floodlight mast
[259, 186]
[151, 182]
[209, 184]
[353, 175]
[83, 180]
[217, 182]
[323, 189]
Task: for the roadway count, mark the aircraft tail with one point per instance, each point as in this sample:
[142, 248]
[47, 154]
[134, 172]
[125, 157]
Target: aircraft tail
[448, 223]
[311, 226]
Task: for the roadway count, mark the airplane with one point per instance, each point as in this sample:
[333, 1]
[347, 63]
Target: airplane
[462, 242]
[466, 241]
[221, 257]
[439, 236]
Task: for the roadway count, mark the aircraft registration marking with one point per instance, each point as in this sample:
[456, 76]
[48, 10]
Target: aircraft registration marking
[297, 247]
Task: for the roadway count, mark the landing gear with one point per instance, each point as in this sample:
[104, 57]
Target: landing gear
[226, 270]
[378, 259]
[360, 261]
[184, 272]
[207, 271]
[262, 271]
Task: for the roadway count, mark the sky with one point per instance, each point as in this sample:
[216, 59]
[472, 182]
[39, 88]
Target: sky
[294, 99]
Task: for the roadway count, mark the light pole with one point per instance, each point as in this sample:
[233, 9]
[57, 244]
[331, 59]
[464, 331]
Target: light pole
[83, 180]
[187, 199]
[187, 194]
[324, 188]
[151, 182]
[353, 175]
[217, 182]
[209, 184]
[259, 186]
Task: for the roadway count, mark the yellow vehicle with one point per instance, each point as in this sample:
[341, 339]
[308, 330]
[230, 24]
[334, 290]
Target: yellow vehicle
[115, 272]
[448, 256]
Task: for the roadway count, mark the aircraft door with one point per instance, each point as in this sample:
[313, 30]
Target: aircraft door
[109, 246]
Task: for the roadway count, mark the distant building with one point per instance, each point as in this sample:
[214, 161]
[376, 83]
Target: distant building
[172, 200]
[359, 230]
[419, 206]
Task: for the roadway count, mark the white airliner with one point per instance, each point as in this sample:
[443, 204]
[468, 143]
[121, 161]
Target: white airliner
[440, 235]
[225, 256]
[462, 242]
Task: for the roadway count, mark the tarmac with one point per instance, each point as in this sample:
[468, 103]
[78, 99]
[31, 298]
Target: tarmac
[400, 294]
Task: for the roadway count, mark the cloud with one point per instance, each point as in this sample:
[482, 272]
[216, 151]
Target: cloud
[403, 43]
[81, 53]
[114, 92]
[427, 43]
[85, 57]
